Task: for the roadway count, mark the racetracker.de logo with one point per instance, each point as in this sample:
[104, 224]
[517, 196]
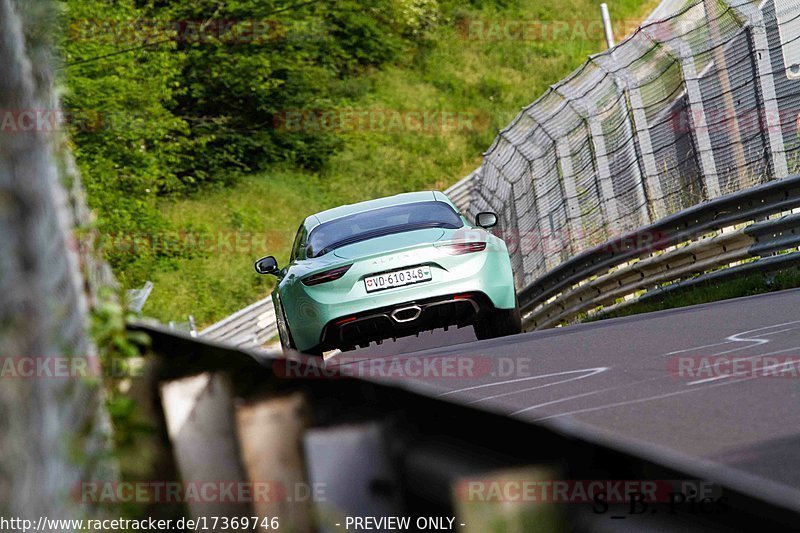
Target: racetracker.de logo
[380, 121]
[170, 492]
[724, 366]
[60, 367]
[139, 31]
[456, 367]
[532, 30]
[581, 491]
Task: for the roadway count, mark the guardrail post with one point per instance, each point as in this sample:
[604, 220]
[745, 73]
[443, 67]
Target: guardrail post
[271, 434]
[199, 414]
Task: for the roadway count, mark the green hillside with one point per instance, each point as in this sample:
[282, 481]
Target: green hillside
[369, 109]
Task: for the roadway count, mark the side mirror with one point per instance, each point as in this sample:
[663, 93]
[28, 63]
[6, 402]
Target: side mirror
[267, 265]
[486, 220]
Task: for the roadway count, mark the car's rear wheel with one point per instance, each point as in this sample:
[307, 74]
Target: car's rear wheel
[500, 323]
[287, 342]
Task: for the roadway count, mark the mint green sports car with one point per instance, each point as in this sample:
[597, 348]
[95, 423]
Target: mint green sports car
[390, 268]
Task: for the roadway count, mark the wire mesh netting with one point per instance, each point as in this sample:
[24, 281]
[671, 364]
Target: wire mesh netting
[699, 102]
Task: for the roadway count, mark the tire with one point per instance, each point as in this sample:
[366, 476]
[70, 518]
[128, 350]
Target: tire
[501, 323]
[287, 342]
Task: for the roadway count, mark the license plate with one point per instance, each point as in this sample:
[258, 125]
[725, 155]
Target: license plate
[398, 278]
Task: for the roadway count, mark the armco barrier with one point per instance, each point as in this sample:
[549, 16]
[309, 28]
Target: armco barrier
[251, 327]
[244, 401]
[551, 299]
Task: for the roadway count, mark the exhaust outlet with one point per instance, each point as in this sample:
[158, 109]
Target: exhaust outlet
[406, 314]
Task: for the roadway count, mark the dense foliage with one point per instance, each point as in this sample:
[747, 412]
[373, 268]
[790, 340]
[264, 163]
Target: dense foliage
[184, 115]
[168, 96]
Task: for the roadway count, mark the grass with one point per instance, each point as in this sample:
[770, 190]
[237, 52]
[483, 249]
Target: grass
[750, 285]
[488, 81]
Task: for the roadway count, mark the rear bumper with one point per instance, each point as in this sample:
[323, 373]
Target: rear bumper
[409, 318]
[309, 310]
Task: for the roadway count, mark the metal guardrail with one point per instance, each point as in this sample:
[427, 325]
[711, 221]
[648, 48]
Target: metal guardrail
[244, 402]
[641, 259]
[251, 327]
[766, 267]
[695, 258]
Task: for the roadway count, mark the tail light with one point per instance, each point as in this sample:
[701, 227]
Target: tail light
[463, 248]
[324, 277]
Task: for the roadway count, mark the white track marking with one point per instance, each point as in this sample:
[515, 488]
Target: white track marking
[528, 389]
[666, 395]
[631, 402]
[696, 348]
[759, 342]
[591, 393]
[739, 337]
[591, 372]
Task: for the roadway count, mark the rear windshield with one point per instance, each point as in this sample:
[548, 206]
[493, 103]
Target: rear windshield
[379, 222]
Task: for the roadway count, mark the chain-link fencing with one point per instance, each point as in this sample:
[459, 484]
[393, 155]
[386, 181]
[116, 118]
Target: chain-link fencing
[701, 101]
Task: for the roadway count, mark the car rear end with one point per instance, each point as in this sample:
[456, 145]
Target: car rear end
[399, 285]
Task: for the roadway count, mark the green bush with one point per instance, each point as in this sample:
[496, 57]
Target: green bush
[164, 106]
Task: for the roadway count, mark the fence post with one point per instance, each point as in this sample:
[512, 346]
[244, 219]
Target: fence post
[608, 200]
[698, 119]
[520, 241]
[570, 190]
[721, 66]
[639, 116]
[271, 431]
[762, 62]
[699, 123]
[789, 30]
[604, 180]
[53, 432]
[647, 185]
[545, 208]
[609, 31]
[569, 194]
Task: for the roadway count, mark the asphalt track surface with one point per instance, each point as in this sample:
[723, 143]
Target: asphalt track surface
[621, 377]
